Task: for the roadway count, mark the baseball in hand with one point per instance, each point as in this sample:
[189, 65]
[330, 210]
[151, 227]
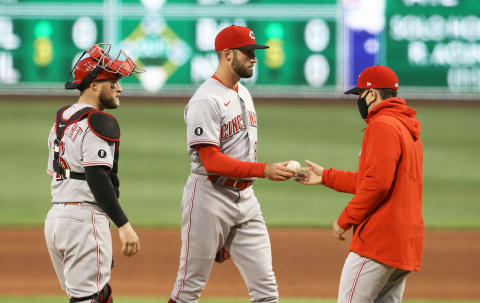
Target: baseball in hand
[294, 165]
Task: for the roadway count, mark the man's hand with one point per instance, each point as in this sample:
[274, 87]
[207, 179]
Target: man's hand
[338, 231]
[311, 175]
[278, 171]
[129, 239]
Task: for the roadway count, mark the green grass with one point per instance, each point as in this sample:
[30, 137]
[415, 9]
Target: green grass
[154, 162]
[204, 300]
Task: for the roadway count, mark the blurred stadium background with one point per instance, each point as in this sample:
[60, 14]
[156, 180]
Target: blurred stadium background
[317, 49]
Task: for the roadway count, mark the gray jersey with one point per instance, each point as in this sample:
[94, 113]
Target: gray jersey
[79, 148]
[216, 216]
[218, 115]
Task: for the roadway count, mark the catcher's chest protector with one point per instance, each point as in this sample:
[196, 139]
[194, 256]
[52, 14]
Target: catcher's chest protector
[103, 125]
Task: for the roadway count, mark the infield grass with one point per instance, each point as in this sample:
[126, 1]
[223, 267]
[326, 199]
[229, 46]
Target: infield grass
[154, 163]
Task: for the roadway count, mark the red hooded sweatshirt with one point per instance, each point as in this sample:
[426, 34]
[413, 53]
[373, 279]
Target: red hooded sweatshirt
[386, 209]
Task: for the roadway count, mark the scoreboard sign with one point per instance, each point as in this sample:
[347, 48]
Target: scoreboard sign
[434, 45]
[172, 40]
[317, 47]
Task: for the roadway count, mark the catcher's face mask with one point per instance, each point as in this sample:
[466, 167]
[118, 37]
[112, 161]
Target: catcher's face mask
[99, 65]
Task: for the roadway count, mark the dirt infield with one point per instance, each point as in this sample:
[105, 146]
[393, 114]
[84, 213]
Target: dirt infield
[307, 263]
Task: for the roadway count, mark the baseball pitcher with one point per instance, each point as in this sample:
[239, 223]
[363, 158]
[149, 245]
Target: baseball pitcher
[221, 216]
[83, 163]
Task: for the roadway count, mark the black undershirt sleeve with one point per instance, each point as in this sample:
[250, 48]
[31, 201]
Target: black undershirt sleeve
[100, 183]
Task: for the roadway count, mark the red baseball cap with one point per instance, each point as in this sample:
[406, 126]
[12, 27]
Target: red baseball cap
[236, 37]
[377, 76]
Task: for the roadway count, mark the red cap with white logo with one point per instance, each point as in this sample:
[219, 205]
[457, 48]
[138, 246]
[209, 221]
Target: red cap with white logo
[377, 76]
[236, 37]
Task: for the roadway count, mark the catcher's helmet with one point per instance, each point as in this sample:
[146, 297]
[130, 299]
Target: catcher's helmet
[100, 66]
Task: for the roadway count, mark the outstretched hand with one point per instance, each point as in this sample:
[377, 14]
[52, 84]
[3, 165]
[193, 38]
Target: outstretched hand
[311, 175]
[278, 171]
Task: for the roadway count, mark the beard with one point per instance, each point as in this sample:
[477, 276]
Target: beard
[241, 71]
[108, 101]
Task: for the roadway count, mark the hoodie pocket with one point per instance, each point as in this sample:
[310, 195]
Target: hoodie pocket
[361, 227]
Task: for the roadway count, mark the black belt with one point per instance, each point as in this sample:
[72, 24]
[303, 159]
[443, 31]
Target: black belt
[77, 176]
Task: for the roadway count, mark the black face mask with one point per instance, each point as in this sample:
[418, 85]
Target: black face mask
[363, 107]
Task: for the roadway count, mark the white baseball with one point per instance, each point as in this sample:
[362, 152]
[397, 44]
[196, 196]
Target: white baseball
[294, 165]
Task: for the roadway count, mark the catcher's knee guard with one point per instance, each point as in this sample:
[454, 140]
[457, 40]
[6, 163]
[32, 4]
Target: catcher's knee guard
[104, 296]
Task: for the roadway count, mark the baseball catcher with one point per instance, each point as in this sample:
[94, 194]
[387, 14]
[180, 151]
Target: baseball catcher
[83, 164]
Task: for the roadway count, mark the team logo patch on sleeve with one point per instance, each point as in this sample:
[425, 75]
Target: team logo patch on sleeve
[198, 131]
[102, 153]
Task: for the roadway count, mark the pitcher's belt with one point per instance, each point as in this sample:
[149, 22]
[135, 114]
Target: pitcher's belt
[233, 183]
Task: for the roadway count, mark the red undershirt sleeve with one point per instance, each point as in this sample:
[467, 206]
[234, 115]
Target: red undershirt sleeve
[217, 162]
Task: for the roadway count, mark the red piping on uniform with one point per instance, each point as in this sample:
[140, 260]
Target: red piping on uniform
[356, 280]
[61, 114]
[188, 241]
[98, 251]
[216, 78]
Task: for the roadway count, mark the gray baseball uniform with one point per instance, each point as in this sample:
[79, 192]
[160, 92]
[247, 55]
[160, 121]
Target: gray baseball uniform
[77, 230]
[215, 215]
[365, 280]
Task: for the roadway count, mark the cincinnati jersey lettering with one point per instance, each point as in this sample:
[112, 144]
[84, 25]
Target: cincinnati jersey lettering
[232, 127]
[252, 116]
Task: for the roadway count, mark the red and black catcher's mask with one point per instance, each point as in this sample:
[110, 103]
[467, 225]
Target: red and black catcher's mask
[100, 66]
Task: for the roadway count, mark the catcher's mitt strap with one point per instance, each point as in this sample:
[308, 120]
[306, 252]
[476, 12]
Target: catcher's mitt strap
[104, 125]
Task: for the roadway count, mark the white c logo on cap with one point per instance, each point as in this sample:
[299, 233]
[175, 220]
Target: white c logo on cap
[252, 35]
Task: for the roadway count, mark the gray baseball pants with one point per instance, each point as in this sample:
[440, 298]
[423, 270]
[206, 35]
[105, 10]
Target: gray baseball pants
[214, 216]
[80, 246]
[365, 280]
